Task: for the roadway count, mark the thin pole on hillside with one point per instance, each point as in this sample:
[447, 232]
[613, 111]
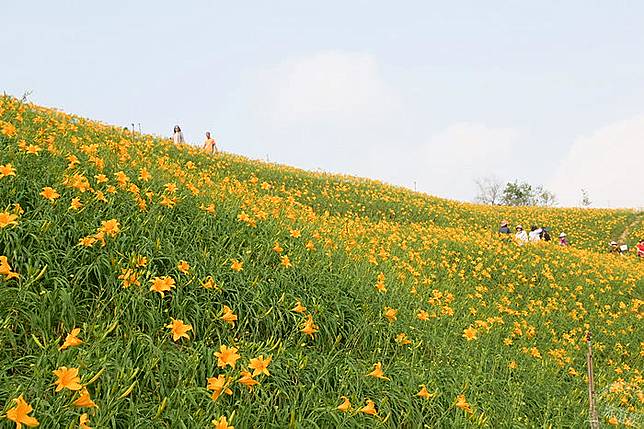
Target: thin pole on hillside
[594, 420]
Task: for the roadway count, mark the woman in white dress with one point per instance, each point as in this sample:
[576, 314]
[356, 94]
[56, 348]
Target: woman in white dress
[177, 136]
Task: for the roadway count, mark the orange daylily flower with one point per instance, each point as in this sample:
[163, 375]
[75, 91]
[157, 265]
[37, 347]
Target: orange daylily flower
[422, 315]
[7, 170]
[227, 356]
[237, 265]
[75, 204]
[424, 393]
[470, 333]
[461, 403]
[390, 314]
[222, 423]
[299, 308]
[309, 327]
[110, 227]
[19, 414]
[5, 269]
[219, 385]
[162, 284]
[229, 316]
[84, 420]
[49, 193]
[247, 380]
[345, 405]
[67, 379]
[378, 372]
[183, 266]
[71, 340]
[179, 329]
[260, 366]
[84, 400]
[370, 408]
[285, 261]
[7, 219]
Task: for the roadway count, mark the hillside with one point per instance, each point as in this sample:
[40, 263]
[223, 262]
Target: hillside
[129, 239]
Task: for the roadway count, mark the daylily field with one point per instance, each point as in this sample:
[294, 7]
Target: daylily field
[144, 284]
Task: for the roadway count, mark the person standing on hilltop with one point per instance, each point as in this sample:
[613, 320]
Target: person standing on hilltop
[209, 144]
[177, 136]
[504, 228]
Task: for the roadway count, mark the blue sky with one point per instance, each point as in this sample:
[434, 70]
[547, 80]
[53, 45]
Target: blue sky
[436, 93]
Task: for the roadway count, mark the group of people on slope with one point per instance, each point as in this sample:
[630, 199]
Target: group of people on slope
[622, 249]
[541, 234]
[209, 144]
[536, 234]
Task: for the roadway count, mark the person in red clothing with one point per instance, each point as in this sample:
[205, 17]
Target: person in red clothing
[640, 248]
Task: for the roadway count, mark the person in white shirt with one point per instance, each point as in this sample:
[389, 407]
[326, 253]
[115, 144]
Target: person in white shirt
[521, 236]
[177, 136]
[535, 234]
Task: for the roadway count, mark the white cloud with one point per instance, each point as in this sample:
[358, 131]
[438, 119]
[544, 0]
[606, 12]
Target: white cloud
[328, 86]
[329, 110]
[451, 160]
[608, 164]
[336, 111]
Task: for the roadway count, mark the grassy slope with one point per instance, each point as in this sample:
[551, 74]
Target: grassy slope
[436, 255]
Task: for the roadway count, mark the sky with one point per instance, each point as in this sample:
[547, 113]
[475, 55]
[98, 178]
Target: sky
[424, 94]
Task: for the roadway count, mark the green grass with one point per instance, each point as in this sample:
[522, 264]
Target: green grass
[432, 245]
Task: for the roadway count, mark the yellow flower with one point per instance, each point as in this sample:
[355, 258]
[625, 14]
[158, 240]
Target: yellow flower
[247, 380]
[309, 327]
[463, 405]
[309, 245]
[229, 316]
[222, 423]
[227, 356]
[87, 241]
[110, 227]
[424, 393]
[390, 314]
[7, 219]
[8, 129]
[370, 408]
[100, 178]
[5, 269]
[209, 283]
[19, 414]
[71, 340]
[84, 420]
[183, 266]
[170, 188]
[277, 248]
[84, 400]
[285, 261]
[67, 379]
[7, 170]
[76, 204]
[295, 233]
[162, 284]
[422, 315]
[237, 265]
[49, 193]
[470, 333]
[179, 329]
[219, 385]
[377, 372]
[144, 175]
[260, 366]
[613, 421]
[299, 308]
[513, 365]
[402, 339]
[345, 405]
